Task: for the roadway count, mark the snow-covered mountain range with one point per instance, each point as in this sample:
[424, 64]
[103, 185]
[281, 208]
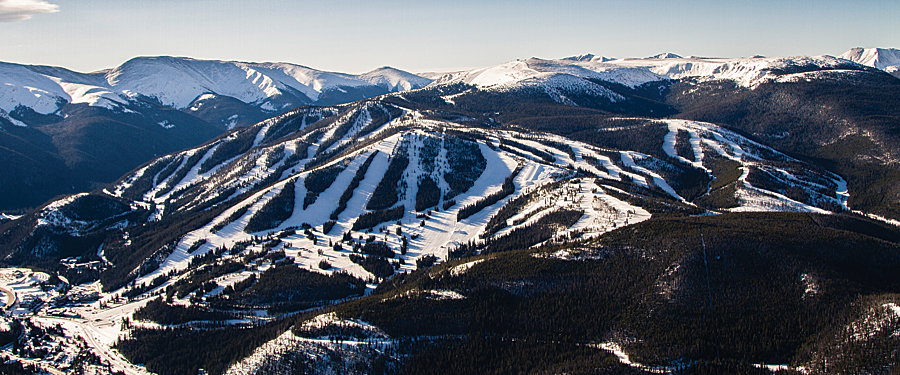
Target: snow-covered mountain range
[747, 72]
[887, 59]
[55, 119]
[183, 83]
[177, 82]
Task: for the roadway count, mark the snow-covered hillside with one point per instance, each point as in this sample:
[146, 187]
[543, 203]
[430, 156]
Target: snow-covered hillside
[64, 131]
[588, 57]
[394, 79]
[334, 168]
[746, 72]
[887, 59]
[516, 71]
[176, 82]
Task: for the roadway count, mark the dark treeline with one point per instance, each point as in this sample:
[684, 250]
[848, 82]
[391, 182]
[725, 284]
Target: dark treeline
[425, 261]
[240, 286]
[180, 172]
[9, 335]
[320, 179]
[523, 237]
[511, 208]
[328, 226]
[352, 145]
[543, 229]
[231, 218]
[231, 147]
[386, 194]
[157, 172]
[447, 204]
[160, 312]
[348, 123]
[162, 176]
[428, 152]
[378, 248]
[10, 366]
[275, 211]
[428, 195]
[376, 265]
[177, 351]
[775, 181]
[521, 146]
[373, 218]
[506, 189]
[200, 276]
[286, 126]
[689, 182]
[683, 146]
[348, 193]
[287, 287]
[560, 146]
[499, 355]
[380, 115]
[636, 135]
[138, 289]
[466, 165]
[722, 188]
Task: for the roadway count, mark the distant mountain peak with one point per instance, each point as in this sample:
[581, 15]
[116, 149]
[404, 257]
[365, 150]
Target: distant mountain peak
[176, 81]
[394, 79]
[747, 72]
[587, 57]
[887, 59]
[386, 68]
[665, 55]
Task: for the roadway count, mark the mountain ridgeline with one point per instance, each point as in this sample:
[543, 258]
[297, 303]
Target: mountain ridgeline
[651, 215]
[65, 132]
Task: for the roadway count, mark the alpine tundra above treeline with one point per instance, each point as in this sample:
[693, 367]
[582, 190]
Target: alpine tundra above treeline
[259, 190]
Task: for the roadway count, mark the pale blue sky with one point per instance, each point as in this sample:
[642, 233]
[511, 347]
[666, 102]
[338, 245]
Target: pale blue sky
[357, 36]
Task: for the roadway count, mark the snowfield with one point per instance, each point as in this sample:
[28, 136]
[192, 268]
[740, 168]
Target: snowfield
[887, 59]
[177, 82]
[745, 72]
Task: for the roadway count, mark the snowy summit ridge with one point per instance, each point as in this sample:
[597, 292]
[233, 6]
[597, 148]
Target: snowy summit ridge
[887, 59]
[746, 72]
[178, 81]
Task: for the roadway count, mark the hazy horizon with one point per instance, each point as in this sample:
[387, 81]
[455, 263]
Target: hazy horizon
[356, 36]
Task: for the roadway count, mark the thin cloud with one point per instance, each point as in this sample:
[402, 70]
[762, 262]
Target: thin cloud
[18, 10]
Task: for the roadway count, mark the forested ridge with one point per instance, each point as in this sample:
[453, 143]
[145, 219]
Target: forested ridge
[704, 294]
[645, 287]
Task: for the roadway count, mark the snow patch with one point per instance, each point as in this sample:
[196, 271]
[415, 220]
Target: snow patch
[623, 357]
[13, 121]
[887, 59]
[444, 295]
[462, 268]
